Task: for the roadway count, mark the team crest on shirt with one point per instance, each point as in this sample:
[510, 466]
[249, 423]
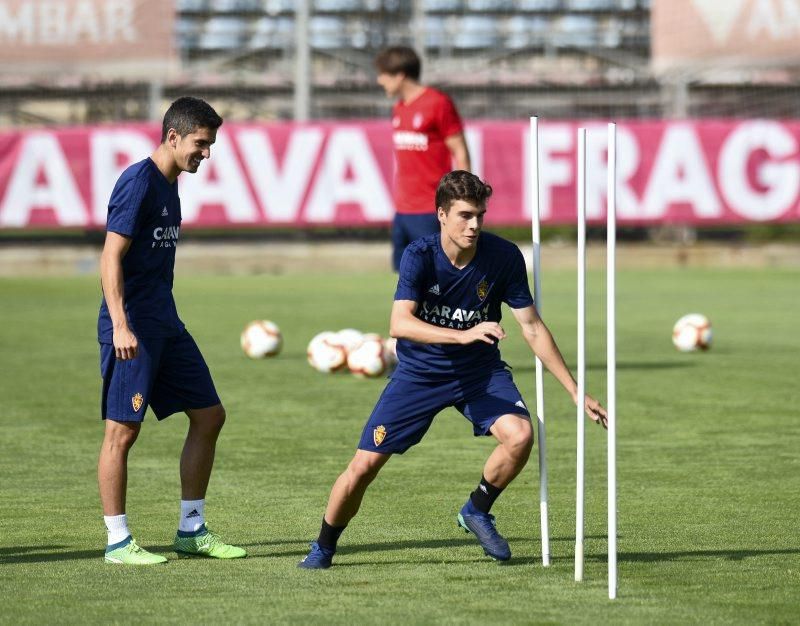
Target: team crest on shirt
[483, 289]
[137, 401]
[417, 120]
[378, 435]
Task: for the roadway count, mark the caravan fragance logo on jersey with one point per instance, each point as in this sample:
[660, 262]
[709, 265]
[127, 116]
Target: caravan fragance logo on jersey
[166, 236]
[452, 316]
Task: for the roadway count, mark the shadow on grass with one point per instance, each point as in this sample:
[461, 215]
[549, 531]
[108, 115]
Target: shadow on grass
[52, 553]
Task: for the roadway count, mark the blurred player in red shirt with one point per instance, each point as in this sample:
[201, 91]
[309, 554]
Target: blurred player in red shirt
[428, 139]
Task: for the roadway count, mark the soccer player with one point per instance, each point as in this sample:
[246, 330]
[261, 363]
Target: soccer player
[446, 318]
[147, 357]
[428, 137]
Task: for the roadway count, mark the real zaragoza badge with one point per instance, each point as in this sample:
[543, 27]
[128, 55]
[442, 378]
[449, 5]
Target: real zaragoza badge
[483, 289]
[136, 401]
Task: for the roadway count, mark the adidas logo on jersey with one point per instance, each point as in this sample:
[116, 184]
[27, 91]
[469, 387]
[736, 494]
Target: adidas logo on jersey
[164, 212]
[435, 290]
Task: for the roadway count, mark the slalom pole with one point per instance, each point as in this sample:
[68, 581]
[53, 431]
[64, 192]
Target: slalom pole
[533, 177]
[581, 420]
[611, 358]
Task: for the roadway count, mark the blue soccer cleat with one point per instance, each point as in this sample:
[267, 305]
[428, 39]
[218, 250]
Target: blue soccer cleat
[482, 526]
[317, 558]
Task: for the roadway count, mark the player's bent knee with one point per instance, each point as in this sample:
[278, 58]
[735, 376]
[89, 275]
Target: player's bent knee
[211, 418]
[364, 468]
[520, 440]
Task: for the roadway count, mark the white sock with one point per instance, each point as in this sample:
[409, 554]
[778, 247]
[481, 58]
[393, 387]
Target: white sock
[117, 527]
[192, 515]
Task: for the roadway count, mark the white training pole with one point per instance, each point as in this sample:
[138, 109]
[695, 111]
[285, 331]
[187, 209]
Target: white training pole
[533, 177]
[611, 358]
[581, 420]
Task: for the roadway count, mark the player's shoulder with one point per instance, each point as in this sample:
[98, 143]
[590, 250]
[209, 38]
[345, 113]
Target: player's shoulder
[437, 95]
[495, 243]
[143, 171]
[500, 250]
[423, 246]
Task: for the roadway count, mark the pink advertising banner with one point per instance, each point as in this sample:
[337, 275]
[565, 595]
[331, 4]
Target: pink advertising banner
[339, 174]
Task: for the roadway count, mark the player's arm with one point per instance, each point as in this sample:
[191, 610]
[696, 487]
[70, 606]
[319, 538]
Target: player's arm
[544, 346]
[457, 145]
[116, 246]
[405, 325]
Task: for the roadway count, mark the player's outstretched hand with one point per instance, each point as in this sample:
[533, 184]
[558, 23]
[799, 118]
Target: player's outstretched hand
[126, 345]
[488, 332]
[596, 412]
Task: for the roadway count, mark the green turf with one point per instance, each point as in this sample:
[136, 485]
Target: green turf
[709, 469]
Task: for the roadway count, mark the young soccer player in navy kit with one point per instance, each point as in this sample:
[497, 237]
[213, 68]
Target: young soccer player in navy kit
[446, 318]
[147, 357]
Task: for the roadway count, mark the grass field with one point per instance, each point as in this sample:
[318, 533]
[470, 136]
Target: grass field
[709, 466]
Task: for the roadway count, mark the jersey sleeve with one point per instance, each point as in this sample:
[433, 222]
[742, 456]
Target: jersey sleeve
[125, 206]
[409, 281]
[517, 294]
[449, 121]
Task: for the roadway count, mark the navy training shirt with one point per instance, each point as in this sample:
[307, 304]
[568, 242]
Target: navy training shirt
[460, 299]
[145, 207]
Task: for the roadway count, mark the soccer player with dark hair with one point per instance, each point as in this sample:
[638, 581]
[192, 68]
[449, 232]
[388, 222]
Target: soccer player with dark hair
[446, 318]
[147, 357]
[428, 137]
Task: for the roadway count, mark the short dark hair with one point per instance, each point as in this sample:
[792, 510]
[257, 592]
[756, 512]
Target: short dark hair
[187, 114]
[461, 185]
[399, 60]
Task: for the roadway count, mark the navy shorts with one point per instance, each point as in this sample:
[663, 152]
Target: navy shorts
[408, 227]
[406, 409]
[168, 374]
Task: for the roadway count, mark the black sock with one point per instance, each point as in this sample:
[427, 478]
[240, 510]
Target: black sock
[484, 496]
[329, 535]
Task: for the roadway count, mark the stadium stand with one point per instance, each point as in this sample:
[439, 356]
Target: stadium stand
[499, 58]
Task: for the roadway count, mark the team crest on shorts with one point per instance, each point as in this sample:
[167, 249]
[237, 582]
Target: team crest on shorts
[483, 289]
[378, 435]
[137, 401]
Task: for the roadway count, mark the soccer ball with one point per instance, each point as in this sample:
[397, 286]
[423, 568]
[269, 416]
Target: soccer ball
[325, 354]
[261, 339]
[368, 360]
[692, 332]
[349, 339]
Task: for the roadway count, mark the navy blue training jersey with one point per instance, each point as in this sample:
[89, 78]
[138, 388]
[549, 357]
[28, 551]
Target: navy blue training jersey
[144, 206]
[460, 299]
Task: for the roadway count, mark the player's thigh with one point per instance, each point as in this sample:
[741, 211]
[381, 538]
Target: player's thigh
[403, 414]
[128, 385]
[487, 400]
[184, 381]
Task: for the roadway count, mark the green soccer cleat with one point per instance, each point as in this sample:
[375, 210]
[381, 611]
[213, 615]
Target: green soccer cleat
[207, 543]
[129, 553]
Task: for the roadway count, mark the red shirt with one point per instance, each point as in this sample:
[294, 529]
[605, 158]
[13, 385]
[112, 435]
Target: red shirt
[422, 157]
